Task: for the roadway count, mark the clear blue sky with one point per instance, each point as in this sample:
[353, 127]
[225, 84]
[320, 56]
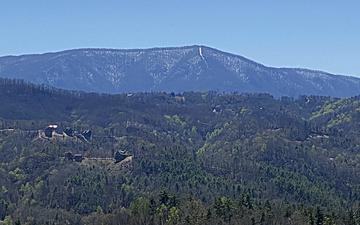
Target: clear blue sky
[317, 34]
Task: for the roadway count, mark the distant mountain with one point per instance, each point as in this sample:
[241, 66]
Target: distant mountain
[192, 68]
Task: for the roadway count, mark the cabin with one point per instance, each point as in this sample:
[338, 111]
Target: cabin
[86, 134]
[69, 132]
[180, 99]
[120, 156]
[48, 131]
[69, 156]
[217, 109]
[78, 157]
[59, 131]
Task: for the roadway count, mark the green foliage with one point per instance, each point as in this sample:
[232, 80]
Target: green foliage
[339, 119]
[256, 160]
[176, 120]
[17, 174]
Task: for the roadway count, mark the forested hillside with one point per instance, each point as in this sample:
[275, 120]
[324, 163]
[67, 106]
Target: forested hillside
[192, 158]
[174, 69]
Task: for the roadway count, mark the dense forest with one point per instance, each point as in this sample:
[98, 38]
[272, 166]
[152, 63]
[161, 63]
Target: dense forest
[192, 158]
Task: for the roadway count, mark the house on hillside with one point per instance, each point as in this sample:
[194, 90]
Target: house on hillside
[84, 136]
[69, 132]
[69, 156]
[180, 99]
[48, 131]
[120, 156]
[78, 157]
[59, 131]
[87, 134]
[217, 109]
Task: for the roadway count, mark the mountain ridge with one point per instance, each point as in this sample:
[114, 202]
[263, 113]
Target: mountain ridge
[172, 48]
[171, 69]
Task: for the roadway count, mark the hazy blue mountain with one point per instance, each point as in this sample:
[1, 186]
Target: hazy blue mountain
[193, 68]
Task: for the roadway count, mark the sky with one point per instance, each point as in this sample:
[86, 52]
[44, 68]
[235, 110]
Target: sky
[315, 34]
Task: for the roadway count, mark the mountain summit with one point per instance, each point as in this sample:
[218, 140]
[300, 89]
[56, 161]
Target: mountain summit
[178, 69]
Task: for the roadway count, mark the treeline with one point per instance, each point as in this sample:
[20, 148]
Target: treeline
[168, 209]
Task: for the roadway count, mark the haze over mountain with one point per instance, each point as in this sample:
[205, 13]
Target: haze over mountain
[191, 68]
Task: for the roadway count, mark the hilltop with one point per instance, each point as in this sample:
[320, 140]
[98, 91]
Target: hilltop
[178, 69]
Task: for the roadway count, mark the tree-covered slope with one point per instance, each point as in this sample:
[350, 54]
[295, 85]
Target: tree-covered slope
[196, 158]
[191, 68]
